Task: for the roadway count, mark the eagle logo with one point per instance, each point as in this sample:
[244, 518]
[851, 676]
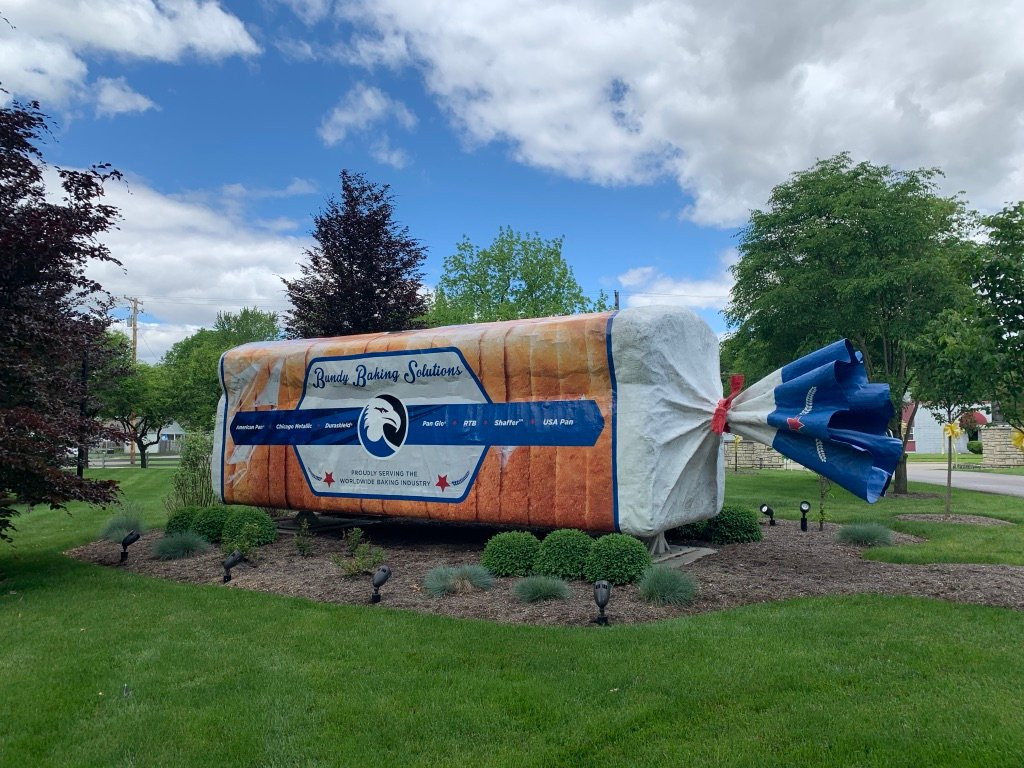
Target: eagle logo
[383, 425]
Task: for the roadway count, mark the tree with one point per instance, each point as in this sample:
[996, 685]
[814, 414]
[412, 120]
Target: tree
[52, 318]
[364, 273]
[1000, 282]
[952, 360]
[141, 403]
[517, 276]
[860, 251]
[191, 364]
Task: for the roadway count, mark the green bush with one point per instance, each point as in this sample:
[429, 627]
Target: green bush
[865, 535]
[563, 554]
[447, 580]
[734, 525]
[533, 589]
[667, 586]
[261, 529]
[510, 553]
[698, 531]
[209, 522]
[304, 539]
[974, 446]
[128, 518]
[181, 520]
[363, 560]
[353, 538]
[192, 483]
[617, 558]
[174, 546]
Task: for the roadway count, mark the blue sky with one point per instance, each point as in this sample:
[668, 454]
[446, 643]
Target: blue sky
[641, 132]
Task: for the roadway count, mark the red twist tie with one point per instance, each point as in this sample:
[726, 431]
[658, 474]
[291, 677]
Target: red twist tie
[718, 424]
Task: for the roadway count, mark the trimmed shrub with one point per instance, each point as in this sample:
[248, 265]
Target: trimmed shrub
[174, 546]
[128, 519]
[865, 535]
[209, 522]
[618, 558]
[510, 553]
[563, 554]
[667, 586]
[974, 446]
[533, 589]
[262, 529]
[734, 525]
[447, 580]
[698, 531]
[181, 520]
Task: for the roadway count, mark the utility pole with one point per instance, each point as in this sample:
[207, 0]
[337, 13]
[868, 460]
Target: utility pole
[616, 300]
[136, 306]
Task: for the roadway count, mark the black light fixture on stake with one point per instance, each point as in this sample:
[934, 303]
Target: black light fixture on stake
[766, 510]
[126, 542]
[805, 507]
[379, 577]
[230, 562]
[602, 593]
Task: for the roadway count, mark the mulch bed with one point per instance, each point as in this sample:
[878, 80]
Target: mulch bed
[786, 564]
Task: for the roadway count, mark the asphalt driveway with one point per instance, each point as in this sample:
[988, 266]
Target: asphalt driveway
[988, 482]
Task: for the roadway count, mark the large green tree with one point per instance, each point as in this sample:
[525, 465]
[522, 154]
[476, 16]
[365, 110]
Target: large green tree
[1000, 283]
[952, 360]
[363, 275]
[516, 276]
[191, 364]
[140, 402]
[851, 250]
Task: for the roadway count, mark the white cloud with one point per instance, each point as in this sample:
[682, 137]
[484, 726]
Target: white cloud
[382, 151]
[114, 97]
[361, 108]
[643, 286]
[186, 259]
[43, 49]
[727, 98]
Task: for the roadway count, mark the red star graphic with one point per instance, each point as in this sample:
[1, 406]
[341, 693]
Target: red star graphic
[328, 478]
[795, 424]
[442, 482]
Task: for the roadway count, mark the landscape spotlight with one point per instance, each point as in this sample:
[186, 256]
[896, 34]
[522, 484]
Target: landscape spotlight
[230, 562]
[379, 577]
[766, 510]
[602, 592]
[131, 538]
[805, 507]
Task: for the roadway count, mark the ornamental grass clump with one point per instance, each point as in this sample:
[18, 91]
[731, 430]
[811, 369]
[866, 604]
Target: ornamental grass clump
[450, 580]
[865, 535]
[510, 553]
[534, 589]
[128, 519]
[617, 558]
[209, 522]
[563, 554]
[667, 586]
[174, 546]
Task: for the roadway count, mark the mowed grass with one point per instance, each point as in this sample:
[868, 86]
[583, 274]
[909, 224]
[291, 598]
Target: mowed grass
[960, 458]
[946, 542]
[101, 667]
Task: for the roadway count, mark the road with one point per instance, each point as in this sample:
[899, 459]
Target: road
[1011, 485]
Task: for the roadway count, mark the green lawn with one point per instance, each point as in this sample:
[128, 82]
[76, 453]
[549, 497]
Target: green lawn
[946, 542]
[223, 677]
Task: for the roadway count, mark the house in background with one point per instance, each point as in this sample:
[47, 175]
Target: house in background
[926, 433]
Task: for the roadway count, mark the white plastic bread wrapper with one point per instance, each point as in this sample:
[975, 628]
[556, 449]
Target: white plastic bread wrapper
[601, 422]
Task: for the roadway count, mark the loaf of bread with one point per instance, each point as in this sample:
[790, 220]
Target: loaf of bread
[587, 421]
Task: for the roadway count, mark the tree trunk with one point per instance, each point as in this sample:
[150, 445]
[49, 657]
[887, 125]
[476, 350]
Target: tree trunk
[143, 459]
[949, 474]
[899, 477]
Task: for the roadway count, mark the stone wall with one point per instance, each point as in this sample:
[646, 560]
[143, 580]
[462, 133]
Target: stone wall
[998, 449]
[752, 455]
